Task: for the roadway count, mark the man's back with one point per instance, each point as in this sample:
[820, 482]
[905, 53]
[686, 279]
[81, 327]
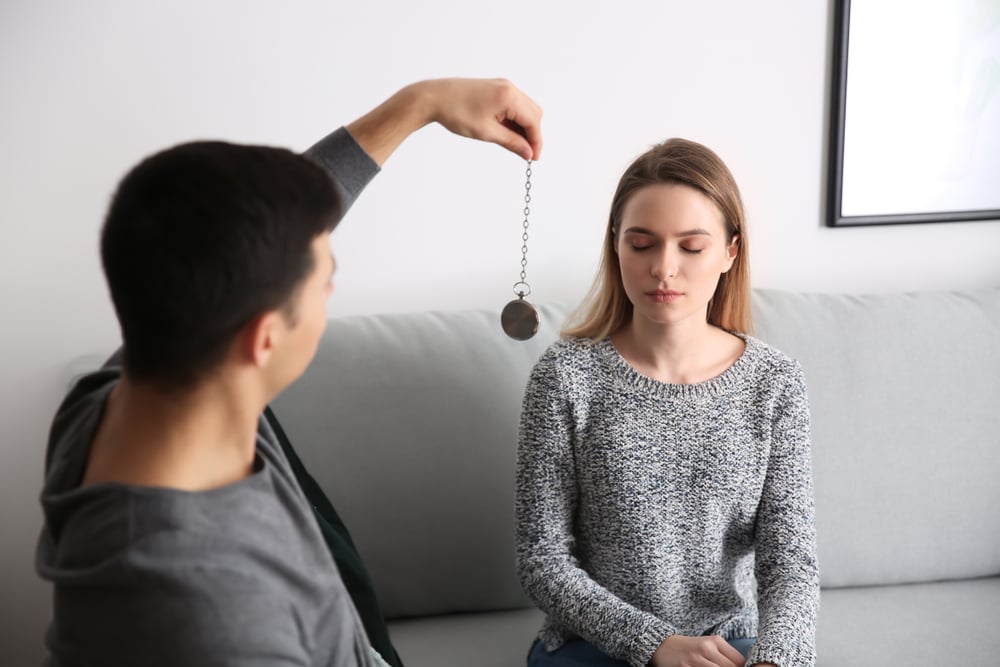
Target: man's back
[236, 575]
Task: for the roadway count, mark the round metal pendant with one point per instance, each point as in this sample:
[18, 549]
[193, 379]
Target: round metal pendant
[519, 320]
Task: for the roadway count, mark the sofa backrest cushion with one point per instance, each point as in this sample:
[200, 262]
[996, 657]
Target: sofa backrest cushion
[409, 422]
[905, 402]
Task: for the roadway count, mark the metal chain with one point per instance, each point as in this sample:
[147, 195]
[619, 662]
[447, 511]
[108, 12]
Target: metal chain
[524, 237]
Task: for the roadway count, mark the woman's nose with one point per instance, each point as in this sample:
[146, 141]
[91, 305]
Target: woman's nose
[665, 264]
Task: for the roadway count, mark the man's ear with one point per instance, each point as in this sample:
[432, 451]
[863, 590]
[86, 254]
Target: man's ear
[259, 338]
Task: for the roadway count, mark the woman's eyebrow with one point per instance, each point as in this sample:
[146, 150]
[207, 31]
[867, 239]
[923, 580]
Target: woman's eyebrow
[698, 231]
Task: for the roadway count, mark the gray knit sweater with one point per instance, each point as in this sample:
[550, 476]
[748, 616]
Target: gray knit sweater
[646, 509]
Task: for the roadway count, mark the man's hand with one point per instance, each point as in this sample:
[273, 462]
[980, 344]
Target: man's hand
[489, 110]
[486, 109]
[682, 651]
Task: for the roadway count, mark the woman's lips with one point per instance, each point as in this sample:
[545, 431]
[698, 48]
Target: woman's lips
[664, 296]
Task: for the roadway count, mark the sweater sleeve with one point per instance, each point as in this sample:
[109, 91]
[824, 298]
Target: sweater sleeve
[350, 166]
[546, 498]
[786, 565]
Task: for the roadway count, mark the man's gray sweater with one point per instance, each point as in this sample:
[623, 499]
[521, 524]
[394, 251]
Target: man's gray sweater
[238, 575]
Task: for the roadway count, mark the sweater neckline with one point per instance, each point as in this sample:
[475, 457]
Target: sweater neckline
[728, 379]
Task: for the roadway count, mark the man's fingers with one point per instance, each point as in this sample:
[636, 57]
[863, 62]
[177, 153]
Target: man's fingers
[532, 135]
[522, 115]
[513, 139]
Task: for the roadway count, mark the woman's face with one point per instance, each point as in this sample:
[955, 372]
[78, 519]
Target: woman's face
[672, 248]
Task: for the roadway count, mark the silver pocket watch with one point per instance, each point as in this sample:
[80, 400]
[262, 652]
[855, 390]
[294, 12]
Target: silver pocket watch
[519, 319]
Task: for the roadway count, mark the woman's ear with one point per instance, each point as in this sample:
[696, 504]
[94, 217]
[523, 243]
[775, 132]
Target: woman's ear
[732, 251]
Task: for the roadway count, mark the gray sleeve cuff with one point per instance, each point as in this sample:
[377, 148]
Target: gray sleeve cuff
[649, 640]
[795, 656]
[350, 166]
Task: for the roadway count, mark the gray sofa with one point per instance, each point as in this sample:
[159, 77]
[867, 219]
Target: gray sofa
[409, 422]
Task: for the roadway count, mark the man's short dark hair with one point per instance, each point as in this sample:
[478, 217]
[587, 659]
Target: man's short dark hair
[200, 239]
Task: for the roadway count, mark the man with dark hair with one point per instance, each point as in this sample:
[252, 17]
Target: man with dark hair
[180, 527]
[198, 240]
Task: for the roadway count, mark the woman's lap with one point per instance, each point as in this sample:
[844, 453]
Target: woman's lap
[579, 653]
[574, 653]
[743, 644]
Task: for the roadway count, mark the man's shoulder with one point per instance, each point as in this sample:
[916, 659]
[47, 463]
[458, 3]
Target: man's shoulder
[182, 614]
[237, 575]
[73, 426]
[195, 577]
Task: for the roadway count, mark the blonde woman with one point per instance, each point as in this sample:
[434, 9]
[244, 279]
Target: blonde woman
[664, 487]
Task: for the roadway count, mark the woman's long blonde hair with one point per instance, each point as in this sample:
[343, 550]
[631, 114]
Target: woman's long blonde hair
[606, 308]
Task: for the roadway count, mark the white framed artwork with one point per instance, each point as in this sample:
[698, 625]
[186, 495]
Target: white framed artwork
[915, 112]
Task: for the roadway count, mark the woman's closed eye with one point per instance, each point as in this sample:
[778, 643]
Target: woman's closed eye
[639, 246]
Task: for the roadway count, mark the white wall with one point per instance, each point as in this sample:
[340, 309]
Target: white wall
[89, 88]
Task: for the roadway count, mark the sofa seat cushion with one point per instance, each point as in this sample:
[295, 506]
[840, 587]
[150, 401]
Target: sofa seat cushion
[491, 639]
[917, 624]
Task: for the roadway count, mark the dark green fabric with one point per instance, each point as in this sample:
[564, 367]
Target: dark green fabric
[352, 570]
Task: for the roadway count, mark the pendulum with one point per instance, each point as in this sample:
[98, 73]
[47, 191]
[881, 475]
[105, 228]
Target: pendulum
[519, 318]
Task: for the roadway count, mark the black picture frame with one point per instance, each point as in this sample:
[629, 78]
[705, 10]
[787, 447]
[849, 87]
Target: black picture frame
[895, 209]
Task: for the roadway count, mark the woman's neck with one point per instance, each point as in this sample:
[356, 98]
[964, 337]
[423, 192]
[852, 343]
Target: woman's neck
[685, 352]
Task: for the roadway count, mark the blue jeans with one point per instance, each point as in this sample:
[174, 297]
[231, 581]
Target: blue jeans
[579, 653]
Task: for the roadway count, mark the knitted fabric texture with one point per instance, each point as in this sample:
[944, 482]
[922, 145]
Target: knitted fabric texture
[646, 509]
